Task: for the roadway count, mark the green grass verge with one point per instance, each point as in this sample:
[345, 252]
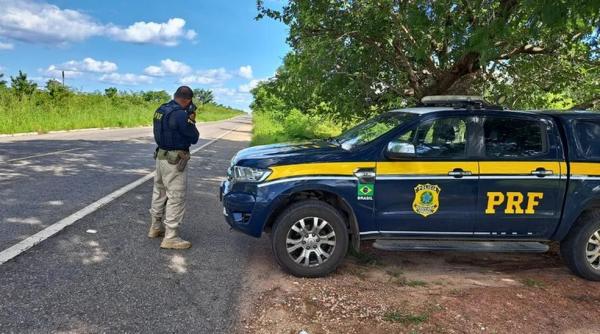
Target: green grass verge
[294, 126]
[79, 111]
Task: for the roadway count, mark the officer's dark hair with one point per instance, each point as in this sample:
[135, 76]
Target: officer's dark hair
[184, 92]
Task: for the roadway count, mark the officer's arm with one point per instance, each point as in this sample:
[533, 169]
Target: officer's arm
[187, 127]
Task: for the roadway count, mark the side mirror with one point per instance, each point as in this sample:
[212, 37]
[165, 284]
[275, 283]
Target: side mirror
[400, 150]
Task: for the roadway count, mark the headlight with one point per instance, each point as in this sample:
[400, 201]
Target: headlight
[248, 174]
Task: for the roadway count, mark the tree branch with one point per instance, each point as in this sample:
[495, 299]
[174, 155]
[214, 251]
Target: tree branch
[412, 76]
[525, 49]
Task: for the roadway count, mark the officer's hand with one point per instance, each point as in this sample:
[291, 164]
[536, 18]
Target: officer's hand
[193, 116]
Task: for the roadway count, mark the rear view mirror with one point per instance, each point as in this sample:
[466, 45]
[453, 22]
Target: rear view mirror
[400, 150]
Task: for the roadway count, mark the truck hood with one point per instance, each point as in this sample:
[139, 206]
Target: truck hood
[267, 155]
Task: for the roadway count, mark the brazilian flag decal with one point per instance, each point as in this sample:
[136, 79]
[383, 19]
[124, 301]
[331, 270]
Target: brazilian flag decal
[365, 191]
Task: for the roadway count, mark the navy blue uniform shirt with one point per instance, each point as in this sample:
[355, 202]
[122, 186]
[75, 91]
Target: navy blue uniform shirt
[173, 130]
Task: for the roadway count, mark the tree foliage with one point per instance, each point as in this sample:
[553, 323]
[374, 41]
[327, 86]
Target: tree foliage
[156, 96]
[111, 92]
[2, 82]
[203, 96]
[21, 86]
[353, 58]
[56, 90]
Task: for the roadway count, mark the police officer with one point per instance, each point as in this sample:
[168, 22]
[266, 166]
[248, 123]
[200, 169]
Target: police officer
[174, 132]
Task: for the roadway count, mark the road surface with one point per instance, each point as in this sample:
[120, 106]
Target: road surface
[115, 280]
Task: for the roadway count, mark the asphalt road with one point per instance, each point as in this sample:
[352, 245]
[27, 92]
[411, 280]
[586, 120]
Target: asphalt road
[116, 280]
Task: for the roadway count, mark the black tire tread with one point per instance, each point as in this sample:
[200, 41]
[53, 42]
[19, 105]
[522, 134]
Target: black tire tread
[316, 205]
[569, 246]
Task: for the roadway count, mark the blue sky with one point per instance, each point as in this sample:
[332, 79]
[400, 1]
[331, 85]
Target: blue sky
[143, 45]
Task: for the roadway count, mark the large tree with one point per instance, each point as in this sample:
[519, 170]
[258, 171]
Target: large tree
[353, 57]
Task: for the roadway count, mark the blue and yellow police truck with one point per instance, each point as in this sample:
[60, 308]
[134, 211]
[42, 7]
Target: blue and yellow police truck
[454, 168]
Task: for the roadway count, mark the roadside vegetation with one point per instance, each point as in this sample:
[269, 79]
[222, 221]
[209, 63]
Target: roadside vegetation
[352, 60]
[25, 107]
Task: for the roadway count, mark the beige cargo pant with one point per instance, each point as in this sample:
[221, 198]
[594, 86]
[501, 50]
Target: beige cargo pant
[168, 197]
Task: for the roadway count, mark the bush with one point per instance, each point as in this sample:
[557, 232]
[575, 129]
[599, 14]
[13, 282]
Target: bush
[275, 127]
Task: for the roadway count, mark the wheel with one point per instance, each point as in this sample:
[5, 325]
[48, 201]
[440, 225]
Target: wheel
[581, 248]
[310, 239]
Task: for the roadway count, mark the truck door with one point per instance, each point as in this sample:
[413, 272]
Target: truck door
[427, 183]
[521, 185]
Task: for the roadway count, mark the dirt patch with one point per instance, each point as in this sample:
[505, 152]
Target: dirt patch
[388, 292]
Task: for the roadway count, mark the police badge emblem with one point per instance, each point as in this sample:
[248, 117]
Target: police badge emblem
[427, 199]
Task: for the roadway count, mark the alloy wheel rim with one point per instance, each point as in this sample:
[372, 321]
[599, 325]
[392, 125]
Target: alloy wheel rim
[592, 250]
[310, 241]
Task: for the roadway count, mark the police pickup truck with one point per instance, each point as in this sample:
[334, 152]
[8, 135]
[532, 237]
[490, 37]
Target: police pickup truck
[453, 168]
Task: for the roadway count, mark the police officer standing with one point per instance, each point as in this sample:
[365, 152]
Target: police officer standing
[174, 132]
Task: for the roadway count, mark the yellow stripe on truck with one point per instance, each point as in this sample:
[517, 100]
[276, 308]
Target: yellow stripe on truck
[430, 168]
[425, 167]
[563, 168]
[516, 167]
[329, 168]
[585, 168]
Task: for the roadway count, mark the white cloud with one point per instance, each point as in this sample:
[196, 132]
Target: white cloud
[168, 33]
[224, 91]
[6, 46]
[246, 88]
[34, 22]
[232, 96]
[75, 68]
[245, 72]
[208, 77]
[168, 67]
[53, 71]
[39, 22]
[126, 79]
[89, 65]
[154, 71]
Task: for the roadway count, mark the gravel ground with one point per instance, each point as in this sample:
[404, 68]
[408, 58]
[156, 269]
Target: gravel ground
[385, 292]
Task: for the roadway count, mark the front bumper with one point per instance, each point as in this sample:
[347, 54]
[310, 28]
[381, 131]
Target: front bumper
[241, 210]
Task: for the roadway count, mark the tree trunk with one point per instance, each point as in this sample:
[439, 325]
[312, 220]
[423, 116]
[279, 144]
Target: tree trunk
[468, 64]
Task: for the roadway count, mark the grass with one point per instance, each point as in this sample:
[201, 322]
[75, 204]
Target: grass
[416, 283]
[533, 283]
[405, 319]
[365, 258]
[211, 112]
[402, 281]
[41, 114]
[294, 126]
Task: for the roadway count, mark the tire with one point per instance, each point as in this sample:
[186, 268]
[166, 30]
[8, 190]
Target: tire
[310, 245]
[582, 238]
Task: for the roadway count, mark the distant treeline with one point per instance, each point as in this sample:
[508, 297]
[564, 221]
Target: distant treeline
[25, 107]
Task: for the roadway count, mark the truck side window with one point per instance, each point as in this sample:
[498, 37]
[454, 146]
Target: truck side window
[440, 138]
[514, 138]
[587, 136]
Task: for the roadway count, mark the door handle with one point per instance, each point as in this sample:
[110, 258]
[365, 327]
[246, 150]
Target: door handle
[459, 172]
[541, 172]
[365, 175]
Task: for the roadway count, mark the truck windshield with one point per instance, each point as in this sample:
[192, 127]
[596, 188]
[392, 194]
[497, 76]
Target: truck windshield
[372, 129]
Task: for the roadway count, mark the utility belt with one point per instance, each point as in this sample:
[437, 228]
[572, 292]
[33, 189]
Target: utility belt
[173, 157]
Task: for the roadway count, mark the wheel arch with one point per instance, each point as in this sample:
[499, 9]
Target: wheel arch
[571, 220]
[323, 194]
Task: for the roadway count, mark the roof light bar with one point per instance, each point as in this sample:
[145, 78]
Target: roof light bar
[437, 99]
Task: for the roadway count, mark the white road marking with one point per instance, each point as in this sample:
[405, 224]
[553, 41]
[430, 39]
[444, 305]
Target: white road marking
[24, 245]
[44, 154]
